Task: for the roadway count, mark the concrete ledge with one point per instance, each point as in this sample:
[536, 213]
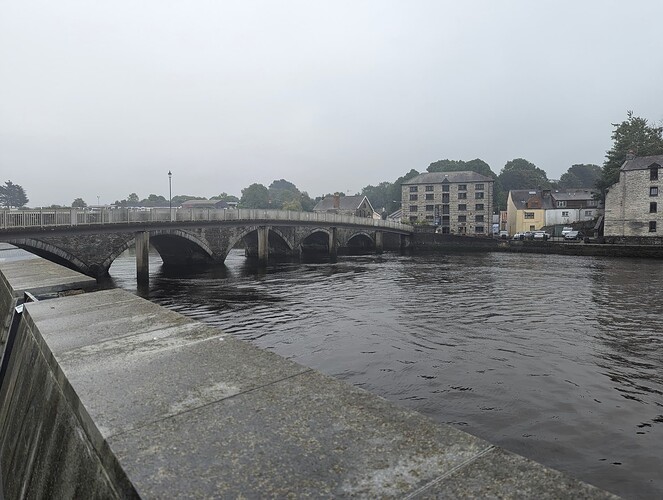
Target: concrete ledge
[36, 276]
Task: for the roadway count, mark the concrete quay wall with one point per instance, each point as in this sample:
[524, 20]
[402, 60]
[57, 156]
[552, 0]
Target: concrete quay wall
[110, 396]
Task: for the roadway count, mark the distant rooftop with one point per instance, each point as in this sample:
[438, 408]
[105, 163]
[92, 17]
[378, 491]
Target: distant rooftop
[456, 177]
[642, 162]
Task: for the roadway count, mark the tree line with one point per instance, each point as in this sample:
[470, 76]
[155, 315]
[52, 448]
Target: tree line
[633, 135]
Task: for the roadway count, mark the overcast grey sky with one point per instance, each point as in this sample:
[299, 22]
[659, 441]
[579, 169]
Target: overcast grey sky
[103, 98]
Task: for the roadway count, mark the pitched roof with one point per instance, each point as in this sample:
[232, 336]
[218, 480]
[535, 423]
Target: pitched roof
[350, 203]
[523, 199]
[642, 162]
[439, 177]
[573, 194]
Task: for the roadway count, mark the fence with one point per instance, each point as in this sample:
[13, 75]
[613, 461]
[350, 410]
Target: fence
[15, 219]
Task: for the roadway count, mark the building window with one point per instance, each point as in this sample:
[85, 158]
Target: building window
[413, 218]
[478, 206]
[478, 218]
[478, 229]
[430, 196]
[532, 228]
[429, 188]
[592, 203]
[462, 207]
[446, 229]
[478, 187]
[588, 213]
[462, 218]
[445, 197]
[429, 217]
[445, 209]
[653, 174]
[414, 189]
[652, 226]
[445, 220]
[529, 215]
[413, 208]
[445, 188]
[653, 191]
[561, 204]
[462, 230]
[430, 208]
[462, 187]
[653, 207]
[565, 214]
[462, 196]
[479, 195]
[414, 197]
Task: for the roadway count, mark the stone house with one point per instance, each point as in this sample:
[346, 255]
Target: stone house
[359, 206]
[458, 202]
[631, 204]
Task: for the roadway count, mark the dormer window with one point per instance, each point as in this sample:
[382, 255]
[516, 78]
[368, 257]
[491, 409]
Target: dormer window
[653, 173]
[561, 204]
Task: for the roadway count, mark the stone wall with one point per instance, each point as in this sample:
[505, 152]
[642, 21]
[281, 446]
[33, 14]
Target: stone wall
[627, 206]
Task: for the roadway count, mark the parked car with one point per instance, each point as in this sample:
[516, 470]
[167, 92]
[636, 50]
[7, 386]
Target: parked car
[504, 235]
[574, 235]
[518, 236]
[528, 235]
[566, 230]
[541, 235]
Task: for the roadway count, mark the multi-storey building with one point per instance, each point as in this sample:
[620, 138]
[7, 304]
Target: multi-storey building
[458, 202]
[631, 205]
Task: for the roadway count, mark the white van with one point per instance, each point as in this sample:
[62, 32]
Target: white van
[566, 230]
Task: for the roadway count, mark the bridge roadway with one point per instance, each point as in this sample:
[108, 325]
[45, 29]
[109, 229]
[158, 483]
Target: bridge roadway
[89, 241]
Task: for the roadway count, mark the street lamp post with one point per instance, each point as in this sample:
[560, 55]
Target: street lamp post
[170, 195]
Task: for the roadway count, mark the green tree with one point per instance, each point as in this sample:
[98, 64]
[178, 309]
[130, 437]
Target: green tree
[477, 165]
[522, 174]
[224, 197]
[78, 203]
[380, 196]
[633, 135]
[580, 176]
[132, 200]
[154, 200]
[255, 196]
[12, 195]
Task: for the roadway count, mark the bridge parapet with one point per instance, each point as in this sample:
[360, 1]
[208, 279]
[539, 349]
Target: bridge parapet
[16, 219]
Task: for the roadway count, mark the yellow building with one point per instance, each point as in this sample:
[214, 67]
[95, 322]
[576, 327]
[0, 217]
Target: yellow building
[526, 210]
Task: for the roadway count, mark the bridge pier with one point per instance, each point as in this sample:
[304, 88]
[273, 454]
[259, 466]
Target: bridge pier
[333, 244]
[263, 244]
[379, 242]
[142, 257]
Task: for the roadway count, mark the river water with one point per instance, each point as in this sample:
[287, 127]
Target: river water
[557, 358]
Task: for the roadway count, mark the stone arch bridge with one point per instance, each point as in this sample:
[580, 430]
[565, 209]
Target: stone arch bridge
[89, 241]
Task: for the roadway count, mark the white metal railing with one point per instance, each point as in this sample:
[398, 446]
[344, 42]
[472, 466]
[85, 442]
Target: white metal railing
[15, 219]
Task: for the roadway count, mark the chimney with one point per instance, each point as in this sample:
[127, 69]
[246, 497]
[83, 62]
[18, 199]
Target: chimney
[337, 200]
[630, 155]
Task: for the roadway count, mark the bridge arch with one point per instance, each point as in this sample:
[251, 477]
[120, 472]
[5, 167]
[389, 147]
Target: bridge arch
[58, 255]
[279, 241]
[360, 241]
[180, 248]
[316, 240]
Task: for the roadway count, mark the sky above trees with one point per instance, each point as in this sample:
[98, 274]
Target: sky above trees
[101, 99]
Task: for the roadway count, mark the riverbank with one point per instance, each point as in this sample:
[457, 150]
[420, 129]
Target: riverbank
[431, 242]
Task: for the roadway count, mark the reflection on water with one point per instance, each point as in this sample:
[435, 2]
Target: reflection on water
[556, 358]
